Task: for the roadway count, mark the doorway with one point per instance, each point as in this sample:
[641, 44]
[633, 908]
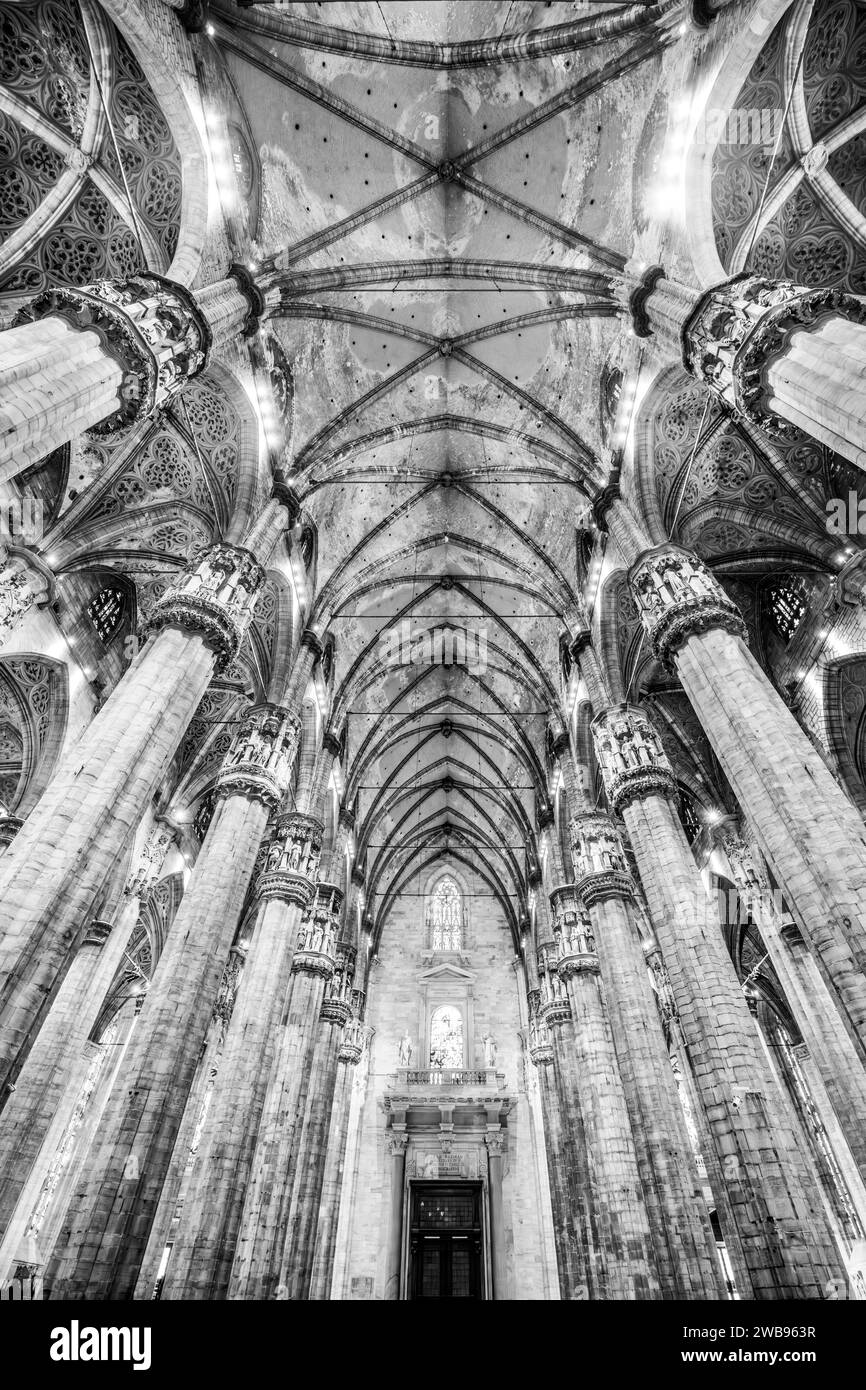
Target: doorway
[445, 1241]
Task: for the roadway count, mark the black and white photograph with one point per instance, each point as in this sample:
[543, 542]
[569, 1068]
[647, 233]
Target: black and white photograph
[432, 673]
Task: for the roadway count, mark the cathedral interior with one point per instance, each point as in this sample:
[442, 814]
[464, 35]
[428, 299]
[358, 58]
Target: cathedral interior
[433, 650]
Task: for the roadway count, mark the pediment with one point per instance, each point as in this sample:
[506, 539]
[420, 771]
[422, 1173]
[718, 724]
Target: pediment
[446, 973]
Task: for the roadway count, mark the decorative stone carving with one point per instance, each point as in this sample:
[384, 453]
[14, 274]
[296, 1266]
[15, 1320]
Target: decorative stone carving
[662, 985]
[21, 586]
[572, 932]
[259, 763]
[600, 867]
[151, 859]
[337, 1004]
[292, 865]
[539, 1044]
[632, 760]
[215, 597]
[97, 934]
[225, 1001]
[152, 328]
[353, 1043]
[738, 327]
[677, 597]
[553, 1002]
[317, 937]
[495, 1141]
[9, 827]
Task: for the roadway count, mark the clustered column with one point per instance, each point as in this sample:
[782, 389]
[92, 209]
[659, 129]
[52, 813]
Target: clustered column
[780, 1243]
[682, 1236]
[110, 1217]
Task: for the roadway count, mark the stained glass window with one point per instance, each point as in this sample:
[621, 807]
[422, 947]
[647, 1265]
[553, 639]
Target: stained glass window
[446, 1037]
[446, 915]
[106, 612]
[785, 605]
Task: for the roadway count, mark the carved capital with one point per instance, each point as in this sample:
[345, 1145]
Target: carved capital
[554, 1006]
[495, 1141]
[9, 827]
[677, 597]
[259, 763]
[97, 934]
[572, 931]
[338, 1003]
[600, 867]
[151, 326]
[216, 597]
[737, 328]
[630, 755]
[397, 1141]
[353, 1043]
[316, 951]
[252, 294]
[291, 864]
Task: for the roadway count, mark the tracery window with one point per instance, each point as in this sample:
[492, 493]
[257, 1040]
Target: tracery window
[446, 1037]
[446, 916]
[785, 605]
[106, 612]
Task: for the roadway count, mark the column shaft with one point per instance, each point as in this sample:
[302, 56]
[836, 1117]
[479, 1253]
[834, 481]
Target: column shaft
[111, 1216]
[61, 856]
[772, 1194]
[809, 831]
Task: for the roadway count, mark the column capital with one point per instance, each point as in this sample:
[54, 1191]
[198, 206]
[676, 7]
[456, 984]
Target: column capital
[677, 597]
[397, 1142]
[252, 294]
[554, 1006]
[315, 953]
[572, 931]
[337, 1005]
[737, 327]
[313, 642]
[9, 827]
[353, 1043]
[495, 1141]
[632, 760]
[152, 327]
[600, 867]
[291, 864]
[282, 491]
[216, 597]
[259, 763]
[97, 933]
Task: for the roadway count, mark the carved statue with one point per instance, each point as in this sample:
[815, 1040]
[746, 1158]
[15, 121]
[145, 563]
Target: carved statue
[404, 1050]
[489, 1044]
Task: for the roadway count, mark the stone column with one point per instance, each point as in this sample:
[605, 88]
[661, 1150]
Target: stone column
[39, 1107]
[572, 1280]
[683, 1239]
[61, 857]
[396, 1141]
[110, 1217]
[264, 1228]
[810, 833]
[351, 1051]
[784, 356]
[779, 1239]
[296, 1267]
[829, 1047]
[102, 356]
[625, 1262]
[495, 1141]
